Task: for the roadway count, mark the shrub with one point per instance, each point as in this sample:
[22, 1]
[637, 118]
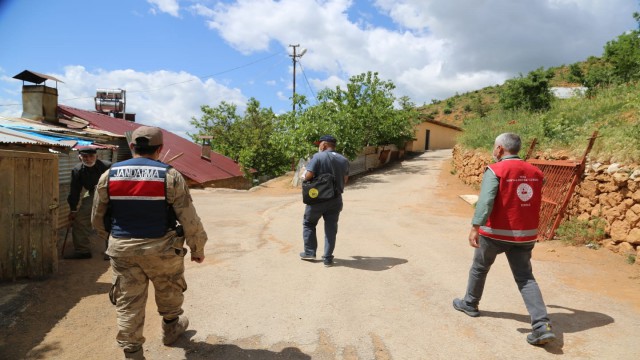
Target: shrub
[579, 232]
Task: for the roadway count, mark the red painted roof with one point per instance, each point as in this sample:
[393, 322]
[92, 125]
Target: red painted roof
[190, 164]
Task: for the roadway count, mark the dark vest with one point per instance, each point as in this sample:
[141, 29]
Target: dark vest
[137, 198]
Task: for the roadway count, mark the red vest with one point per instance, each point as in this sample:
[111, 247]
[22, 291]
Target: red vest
[516, 209]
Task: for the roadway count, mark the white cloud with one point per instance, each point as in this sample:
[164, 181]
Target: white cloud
[170, 7]
[162, 98]
[435, 48]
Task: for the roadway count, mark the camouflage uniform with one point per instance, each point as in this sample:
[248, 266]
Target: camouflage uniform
[135, 261]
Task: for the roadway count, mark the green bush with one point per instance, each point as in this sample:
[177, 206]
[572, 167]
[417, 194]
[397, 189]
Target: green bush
[578, 232]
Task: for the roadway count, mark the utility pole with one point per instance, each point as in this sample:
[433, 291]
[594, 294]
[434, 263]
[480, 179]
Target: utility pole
[294, 57]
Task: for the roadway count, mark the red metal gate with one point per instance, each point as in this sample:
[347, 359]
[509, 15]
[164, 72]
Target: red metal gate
[560, 179]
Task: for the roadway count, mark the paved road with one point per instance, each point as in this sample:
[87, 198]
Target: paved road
[401, 257]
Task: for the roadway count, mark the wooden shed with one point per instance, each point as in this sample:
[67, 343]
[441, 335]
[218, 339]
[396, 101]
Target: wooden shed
[28, 215]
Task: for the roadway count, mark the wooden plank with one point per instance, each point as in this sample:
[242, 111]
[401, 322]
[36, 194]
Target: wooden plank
[36, 235]
[22, 216]
[50, 192]
[6, 217]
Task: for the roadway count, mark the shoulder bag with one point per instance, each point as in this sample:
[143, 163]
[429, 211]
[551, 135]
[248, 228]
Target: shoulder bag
[321, 188]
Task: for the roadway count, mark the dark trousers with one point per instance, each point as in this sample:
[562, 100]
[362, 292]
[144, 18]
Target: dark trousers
[330, 212]
[519, 257]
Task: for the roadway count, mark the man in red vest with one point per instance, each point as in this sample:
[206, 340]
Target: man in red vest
[506, 221]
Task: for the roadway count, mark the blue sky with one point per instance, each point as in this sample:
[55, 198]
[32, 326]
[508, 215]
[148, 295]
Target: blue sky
[172, 56]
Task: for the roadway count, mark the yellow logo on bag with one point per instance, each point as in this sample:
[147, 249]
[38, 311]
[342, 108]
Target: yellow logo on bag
[313, 193]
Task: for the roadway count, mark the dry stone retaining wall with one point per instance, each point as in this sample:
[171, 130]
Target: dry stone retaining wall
[607, 191]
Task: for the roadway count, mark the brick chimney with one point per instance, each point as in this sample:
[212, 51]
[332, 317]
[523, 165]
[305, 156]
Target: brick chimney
[39, 102]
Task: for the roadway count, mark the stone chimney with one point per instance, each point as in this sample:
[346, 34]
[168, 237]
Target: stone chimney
[206, 147]
[39, 102]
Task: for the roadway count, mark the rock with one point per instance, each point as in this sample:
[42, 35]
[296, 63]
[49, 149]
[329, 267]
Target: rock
[636, 196]
[632, 186]
[584, 216]
[613, 214]
[626, 248]
[584, 205]
[620, 178]
[635, 174]
[638, 255]
[632, 218]
[597, 210]
[611, 245]
[609, 199]
[613, 168]
[589, 189]
[634, 236]
[607, 187]
[619, 230]
[635, 208]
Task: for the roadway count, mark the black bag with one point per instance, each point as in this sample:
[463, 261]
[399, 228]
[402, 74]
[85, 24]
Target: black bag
[319, 189]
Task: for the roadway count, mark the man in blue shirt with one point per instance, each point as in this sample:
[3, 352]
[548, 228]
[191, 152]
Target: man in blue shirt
[326, 160]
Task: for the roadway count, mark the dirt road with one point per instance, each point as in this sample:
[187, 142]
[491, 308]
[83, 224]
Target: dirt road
[401, 257]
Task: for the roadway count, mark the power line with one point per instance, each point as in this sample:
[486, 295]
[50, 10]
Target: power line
[176, 83]
[307, 81]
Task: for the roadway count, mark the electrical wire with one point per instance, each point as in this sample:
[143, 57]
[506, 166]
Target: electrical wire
[176, 83]
[307, 81]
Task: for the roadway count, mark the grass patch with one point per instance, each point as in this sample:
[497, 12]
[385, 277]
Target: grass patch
[614, 112]
[631, 259]
[579, 232]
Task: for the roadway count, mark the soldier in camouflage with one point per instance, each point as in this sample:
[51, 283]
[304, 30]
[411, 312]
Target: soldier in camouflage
[138, 202]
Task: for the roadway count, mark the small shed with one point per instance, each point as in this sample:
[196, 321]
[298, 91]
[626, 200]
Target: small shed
[434, 135]
[35, 160]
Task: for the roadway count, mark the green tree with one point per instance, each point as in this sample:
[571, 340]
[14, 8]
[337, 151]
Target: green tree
[247, 139]
[220, 123]
[624, 55]
[529, 93]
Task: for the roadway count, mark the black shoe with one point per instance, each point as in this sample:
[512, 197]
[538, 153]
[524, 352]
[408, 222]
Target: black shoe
[541, 336]
[78, 256]
[328, 262]
[461, 305]
[305, 256]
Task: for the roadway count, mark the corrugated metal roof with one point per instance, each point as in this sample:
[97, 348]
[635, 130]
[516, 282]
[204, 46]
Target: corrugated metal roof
[25, 131]
[9, 135]
[190, 164]
[34, 77]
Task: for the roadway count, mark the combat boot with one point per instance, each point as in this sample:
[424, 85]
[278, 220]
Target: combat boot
[172, 331]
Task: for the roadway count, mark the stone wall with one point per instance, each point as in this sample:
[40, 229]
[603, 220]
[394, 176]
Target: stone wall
[607, 191]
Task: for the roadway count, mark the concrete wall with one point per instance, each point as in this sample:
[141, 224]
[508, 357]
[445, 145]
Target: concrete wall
[440, 137]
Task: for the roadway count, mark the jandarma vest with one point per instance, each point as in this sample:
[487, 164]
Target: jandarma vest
[516, 209]
[137, 198]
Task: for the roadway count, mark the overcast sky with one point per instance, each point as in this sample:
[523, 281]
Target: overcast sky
[172, 56]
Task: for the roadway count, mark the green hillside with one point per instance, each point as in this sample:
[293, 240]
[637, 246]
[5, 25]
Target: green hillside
[614, 111]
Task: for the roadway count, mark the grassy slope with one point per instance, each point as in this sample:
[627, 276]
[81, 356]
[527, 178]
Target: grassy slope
[614, 112]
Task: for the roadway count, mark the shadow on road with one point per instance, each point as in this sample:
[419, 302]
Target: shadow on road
[204, 350]
[38, 305]
[576, 321]
[369, 263]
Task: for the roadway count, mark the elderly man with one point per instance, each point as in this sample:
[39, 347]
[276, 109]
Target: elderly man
[506, 221]
[84, 177]
[141, 199]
